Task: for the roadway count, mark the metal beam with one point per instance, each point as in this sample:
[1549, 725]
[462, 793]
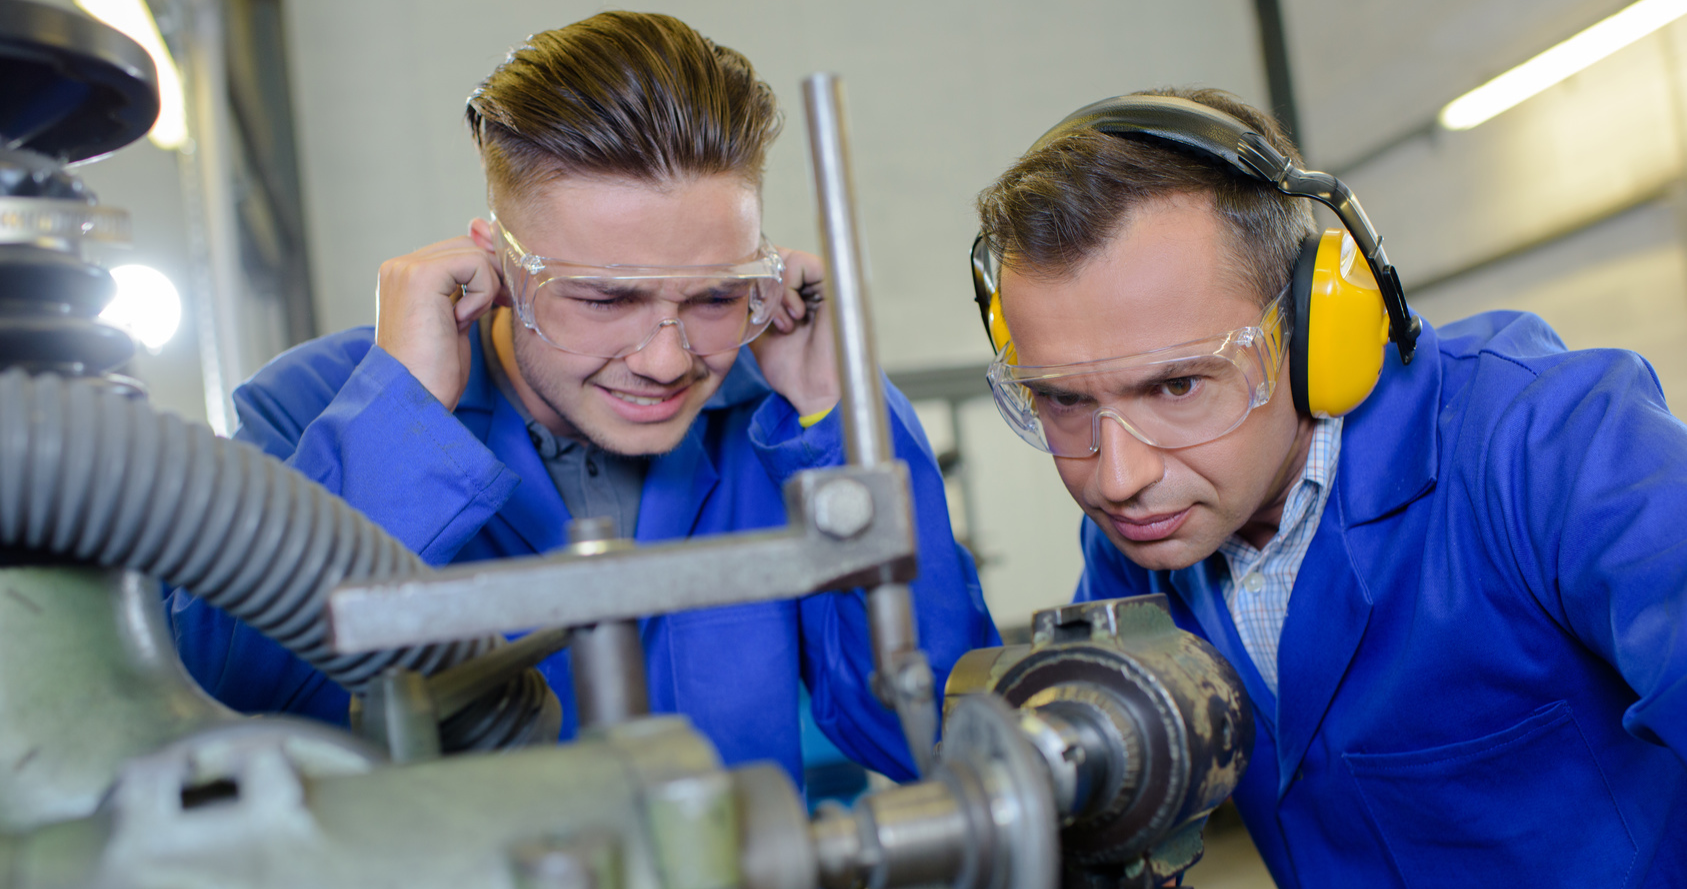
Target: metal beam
[1274, 48]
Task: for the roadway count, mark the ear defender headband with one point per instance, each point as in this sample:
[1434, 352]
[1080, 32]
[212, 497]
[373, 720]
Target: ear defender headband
[1345, 312]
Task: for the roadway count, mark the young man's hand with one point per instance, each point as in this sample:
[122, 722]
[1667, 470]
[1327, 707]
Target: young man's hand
[429, 301]
[796, 351]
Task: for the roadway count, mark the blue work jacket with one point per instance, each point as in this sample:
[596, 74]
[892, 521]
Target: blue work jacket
[470, 486]
[1483, 669]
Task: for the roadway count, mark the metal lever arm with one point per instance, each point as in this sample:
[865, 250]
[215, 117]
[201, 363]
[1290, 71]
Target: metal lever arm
[847, 525]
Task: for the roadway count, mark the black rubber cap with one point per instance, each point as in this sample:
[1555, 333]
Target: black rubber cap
[74, 87]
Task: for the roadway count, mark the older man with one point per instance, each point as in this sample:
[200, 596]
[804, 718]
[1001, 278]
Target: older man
[1456, 589]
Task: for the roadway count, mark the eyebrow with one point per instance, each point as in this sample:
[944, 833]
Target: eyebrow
[734, 288]
[1196, 365]
[1192, 366]
[609, 288]
[1044, 389]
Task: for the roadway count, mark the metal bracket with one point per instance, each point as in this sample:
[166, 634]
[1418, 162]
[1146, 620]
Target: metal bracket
[569, 590]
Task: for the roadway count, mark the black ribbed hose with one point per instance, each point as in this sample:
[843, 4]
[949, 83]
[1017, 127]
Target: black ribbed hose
[89, 474]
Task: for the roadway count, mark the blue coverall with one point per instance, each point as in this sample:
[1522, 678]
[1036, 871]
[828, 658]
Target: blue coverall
[469, 486]
[1483, 669]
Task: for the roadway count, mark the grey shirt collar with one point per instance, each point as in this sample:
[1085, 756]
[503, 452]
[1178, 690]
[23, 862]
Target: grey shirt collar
[592, 481]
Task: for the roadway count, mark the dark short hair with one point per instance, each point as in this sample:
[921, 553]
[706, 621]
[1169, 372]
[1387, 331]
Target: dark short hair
[622, 94]
[1060, 205]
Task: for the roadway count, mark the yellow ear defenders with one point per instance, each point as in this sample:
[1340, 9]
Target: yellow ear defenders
[1345, 311]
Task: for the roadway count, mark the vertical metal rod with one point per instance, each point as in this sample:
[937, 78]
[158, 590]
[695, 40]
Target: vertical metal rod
[399, 716]
[902, 677]
[890, 620]
[608, 658]
[866, 428]
[609, 683]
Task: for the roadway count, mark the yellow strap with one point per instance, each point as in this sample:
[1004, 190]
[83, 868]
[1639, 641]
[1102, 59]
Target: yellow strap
[813, 418]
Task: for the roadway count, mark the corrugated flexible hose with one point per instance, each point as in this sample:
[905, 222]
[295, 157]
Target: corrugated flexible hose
[89, 474]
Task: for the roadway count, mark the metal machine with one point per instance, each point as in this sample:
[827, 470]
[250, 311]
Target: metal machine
[1087, 758]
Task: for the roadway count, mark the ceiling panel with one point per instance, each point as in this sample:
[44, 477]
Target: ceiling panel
[1367, 72]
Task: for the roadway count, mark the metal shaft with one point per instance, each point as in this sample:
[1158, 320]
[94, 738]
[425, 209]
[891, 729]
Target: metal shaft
[609, 685]
[608, 658]
[903, 680]
[866, 429]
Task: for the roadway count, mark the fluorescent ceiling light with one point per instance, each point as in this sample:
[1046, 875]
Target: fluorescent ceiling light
[134, 19]
[146, 305]
[1547, 69]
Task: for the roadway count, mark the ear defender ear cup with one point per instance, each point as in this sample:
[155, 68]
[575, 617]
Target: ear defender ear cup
[1341, 327]
[1299, 290]
[998, 327]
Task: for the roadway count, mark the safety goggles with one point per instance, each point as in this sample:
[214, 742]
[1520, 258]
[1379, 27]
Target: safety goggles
[1175, 397]
[611, 311]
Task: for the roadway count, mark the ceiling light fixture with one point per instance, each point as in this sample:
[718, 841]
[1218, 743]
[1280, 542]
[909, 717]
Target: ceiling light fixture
[1549, 68]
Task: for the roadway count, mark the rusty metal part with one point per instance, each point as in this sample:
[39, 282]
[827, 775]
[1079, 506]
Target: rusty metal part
[1144, 728]
[984, 819]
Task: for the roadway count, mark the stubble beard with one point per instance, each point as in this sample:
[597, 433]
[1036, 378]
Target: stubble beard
[549, 384]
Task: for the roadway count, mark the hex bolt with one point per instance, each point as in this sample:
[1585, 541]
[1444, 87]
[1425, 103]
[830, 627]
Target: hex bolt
[590, 860]
[915, 680]
[843, 508]
[538, 867]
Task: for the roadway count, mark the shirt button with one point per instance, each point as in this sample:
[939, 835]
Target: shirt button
[1254, 582]
[591, 468]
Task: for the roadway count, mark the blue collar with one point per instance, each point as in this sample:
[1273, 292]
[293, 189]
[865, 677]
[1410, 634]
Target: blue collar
[1391, 444]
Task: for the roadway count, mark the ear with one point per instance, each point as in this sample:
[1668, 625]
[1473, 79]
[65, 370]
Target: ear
[480, 231]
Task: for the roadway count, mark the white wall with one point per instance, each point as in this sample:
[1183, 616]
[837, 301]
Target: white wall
[1604, 139]
[1566, 205]
[1621, 283]
[943, 95]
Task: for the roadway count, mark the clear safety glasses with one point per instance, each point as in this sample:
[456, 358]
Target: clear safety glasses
[615, 310]
[1174, 397]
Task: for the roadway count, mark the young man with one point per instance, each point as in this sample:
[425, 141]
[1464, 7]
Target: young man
[1460, 609]
[578, 354]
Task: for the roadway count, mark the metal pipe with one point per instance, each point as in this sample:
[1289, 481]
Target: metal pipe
[866, 428]
[902, 677]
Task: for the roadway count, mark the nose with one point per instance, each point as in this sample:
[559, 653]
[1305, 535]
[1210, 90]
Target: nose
[1127, 466]
[664, 359]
